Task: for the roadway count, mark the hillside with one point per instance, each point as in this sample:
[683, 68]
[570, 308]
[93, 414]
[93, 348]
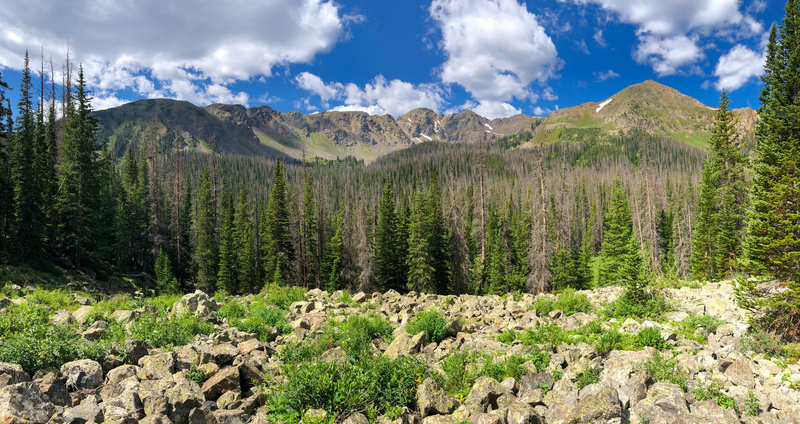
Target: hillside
[648, 106]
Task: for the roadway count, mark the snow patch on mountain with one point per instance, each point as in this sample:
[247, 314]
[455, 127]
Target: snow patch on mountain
[602, 105]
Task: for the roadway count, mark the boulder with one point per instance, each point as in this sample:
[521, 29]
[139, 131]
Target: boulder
[439, 419]
[664, 404]
[597, 403]
[405, 345]
[519, 412]
[197, 303]
[124, 316]
[709, 412]
[54, 388]
[535, 381]
[432, 400]
[156, 367]
[81, 313]
[126, 404]
[230, 416]
[24, 403]
[183, 397]
[63, 317]
[221, 382]
[87, 412]
[82, 374]
[740, 373]
[315, 416]
[135, 350]
[12, 374]
[95, 331]
[357, 418]
[249, 371]
[484, 394]
[221, 354]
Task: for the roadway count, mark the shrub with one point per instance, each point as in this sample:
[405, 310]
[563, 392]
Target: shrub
[568, 301]
[752, 406]
[262, 319]
[698, 327]
[759, 341]
[651, 337]
[357, 332]
[281, 296]
[373, 385]
[198, 375]
[508, 337]
[590, 375]
[653, 307]
[232, 309]
[461, 369]
[54, 299]
[662, 369]
[173, 331]
[547, 334]
[714, 391]
[608, 341]
[433, 323]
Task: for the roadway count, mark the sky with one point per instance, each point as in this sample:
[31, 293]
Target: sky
[496, 57]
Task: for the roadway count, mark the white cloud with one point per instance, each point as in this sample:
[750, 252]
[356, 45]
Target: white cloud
[491, 109]
[607, 75]
[378, 97]
[184, 49]
[669, 31]
[737, 67]
[495, 49]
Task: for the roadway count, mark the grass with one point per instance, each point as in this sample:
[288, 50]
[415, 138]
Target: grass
[714, 391]
[589, 375]
[664, 370]
[650, 337]
[568, 301]
[653, 308]
[354, 335]
[433, 323]
[461, 369]
[698, 327]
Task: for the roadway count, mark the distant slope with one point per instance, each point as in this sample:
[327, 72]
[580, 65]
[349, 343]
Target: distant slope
[648, 106]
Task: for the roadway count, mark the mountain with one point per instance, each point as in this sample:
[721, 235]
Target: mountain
[261, 130]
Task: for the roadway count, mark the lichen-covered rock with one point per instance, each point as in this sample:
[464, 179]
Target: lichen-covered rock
[484, 394]
[740, 373]
[405, 345]
[519, 412]
[63, 317]
[24, 403]
[12, 374]
[664, 404]
[225, 380]
[54, 388]
[135, 350]
[356, 418]
[156, 367]
[315, 416]
[182, 398]
[95, 331]
[432, 400]
[87, 412]
[709, 412]
[197, 303]
[82, 374]
[597, 402]
[221, 354]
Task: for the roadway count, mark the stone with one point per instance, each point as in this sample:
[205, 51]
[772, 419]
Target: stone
[81, 313]
[249, 371]
[597, 403]
[135, 350]
[709, 412]
[82, 374]
[535, 381]
[198, 304]
[493, 417]
[225, 380]
[405, 345]
[664, 404]
[151, 393]
[54, 388]
[156, 367]
[182, 398]
[484, 394]
[432, 400]
[63, 317]
[12, 374]
[356, 418]
[510, 384]
[155, 419]
[95, 331]
[128, 402]
[87, 412]
[230, 416]
[634, 390]
[439, 419]
[315, 416]
[740, 373]
[185, 357]
[123, 316]
[221, 354]
[24, 403]
[229, 400]
[248, 346]
[519, 412]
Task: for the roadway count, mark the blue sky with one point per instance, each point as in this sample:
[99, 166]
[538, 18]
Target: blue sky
[498, 57]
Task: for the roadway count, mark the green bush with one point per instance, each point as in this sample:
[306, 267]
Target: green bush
[354, 335]
[173, 331]
[433, 323]
[714, 391]
[262, 319]
[752, 406]
[665, 370]
[650, 336]
[759, 341]
[590, 375]
[280, 296]
[508, 337]
[232, 309]
[568, 301]
[373, 385]
[54, 299]
[698, 327]
[544, 334]
[198, 375]
[652, 308]
[461, 369]
[608, 341]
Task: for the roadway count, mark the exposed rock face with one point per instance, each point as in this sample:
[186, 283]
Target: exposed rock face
[83, 374]
[24, 403]
[432, 400]
[197, 303]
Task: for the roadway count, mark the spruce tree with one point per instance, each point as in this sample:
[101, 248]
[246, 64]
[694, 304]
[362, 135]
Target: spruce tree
[244, 244]
[666, 240]
[165, 280]
[310, 235]
[633, 276]
[439, 239]
[279, 254]
[703, 265]
[617, 236]
[385, 251]
[227, 274]
[206, 248]
[420, 270]
[330, 268]
[772, 243]
[562, 271]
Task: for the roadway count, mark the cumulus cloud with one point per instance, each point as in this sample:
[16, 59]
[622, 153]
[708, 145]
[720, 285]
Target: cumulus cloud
[495, 49]
[378, 97]
[737, 67]
[607, 75]
[669, 32]
[491, 109]
[183, 49]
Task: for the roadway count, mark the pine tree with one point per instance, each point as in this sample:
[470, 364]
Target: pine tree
[666, 240]
[28, 232]
[498, 256]
[439, 238]
[6, 196]
[244, 244]
[772, 244]
[562, 271]
[227, 274]
[49, 179]
[420, 270]
[330, 269]
[277, 239]
[617, 236]
[310, 236]
[206, 248]
[632, 276]
[77, 203]
[165, 280]
[703, 236]
[183, 242]
[583, 275]
[385, 251]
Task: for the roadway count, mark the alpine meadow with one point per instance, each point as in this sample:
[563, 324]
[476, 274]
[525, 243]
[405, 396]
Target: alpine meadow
[455, 249]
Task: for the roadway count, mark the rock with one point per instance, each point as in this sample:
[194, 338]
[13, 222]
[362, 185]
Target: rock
[597, 402]
[634, 390]
[522, 413]
[315, 416]
[155, 419]
[229, 400]
[359, 297]
[151, 393]
[709, 412]
[12, 374]
[182, 398]
[63, 317]
[135, 350]
[123, 316]
[510, 384]
[357, 418]
[221, 354]
[82, 374]
[95, 331]
[156, 367]
[493, 417]
[248, 346]
[87, 412]
[439, 419]
[202, 415]
[535, 381]
[24, 403]
[405, 345]
[664, 404]
[126, 404]
[81, 313]
[249, 371]
[232, 416]
[121, 373]
[740, 373]
[197, 303]
[221, 382]
[484, 394]
[432, 400]
[54, 389]
[185, 357]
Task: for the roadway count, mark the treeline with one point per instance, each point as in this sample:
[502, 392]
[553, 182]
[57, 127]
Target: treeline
[437, 217]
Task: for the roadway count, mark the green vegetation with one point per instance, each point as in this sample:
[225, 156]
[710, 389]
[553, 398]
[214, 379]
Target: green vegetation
[568, 301]
[651, 337]
[589, 375]
[433, 323]
[714, 391]
[752, 406]
[698, 327]
[666, 370]
[461, 369]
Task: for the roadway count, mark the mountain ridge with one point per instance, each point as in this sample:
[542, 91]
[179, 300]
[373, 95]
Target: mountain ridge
[262, 130]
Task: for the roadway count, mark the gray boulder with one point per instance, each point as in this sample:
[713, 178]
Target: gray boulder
[156, 367]
[12, 374]
[82, 374]
[87, 412]
[197, 303]
[405, 345]
[24, 403]
[432, 400]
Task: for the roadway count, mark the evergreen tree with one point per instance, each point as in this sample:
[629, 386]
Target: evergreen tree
[439, 239]
[78, 199]
[49, 179]
[27, 197]
[165, 280]
[666, 242]
[772, 244]
[244, 244]
[617, 236]
[498, 257]
[703, 237]
[562, 271]
[632, 276]
[330, 269]
[310, 237]
[386, 257]
[227, 275]
[206, 248]
[279, 252]
[183, 242]
[6, 191]
[420, 270]
[583, 275]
